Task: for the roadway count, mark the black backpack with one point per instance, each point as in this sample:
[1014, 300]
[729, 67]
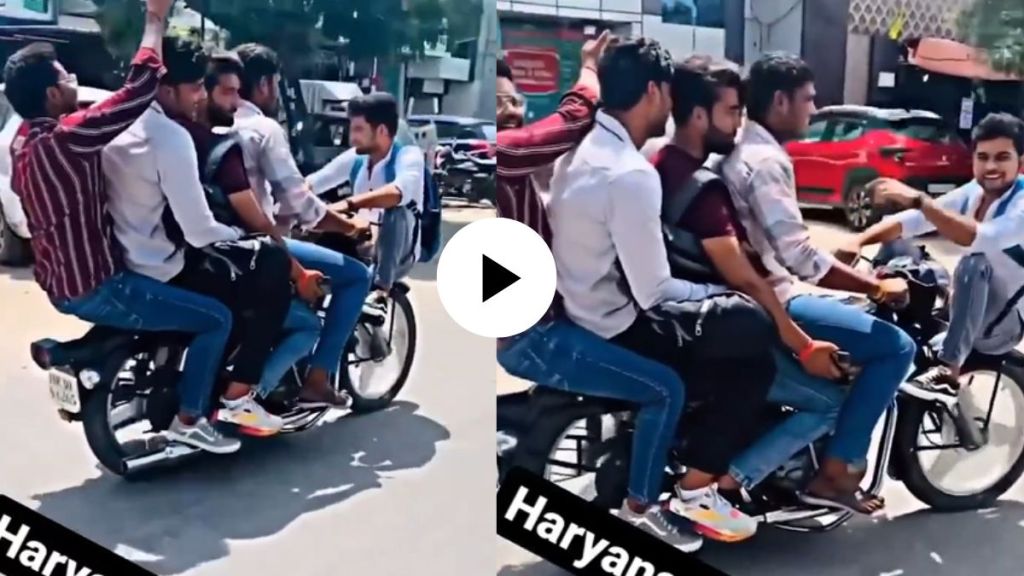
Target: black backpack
[686, 256]
[215, 197]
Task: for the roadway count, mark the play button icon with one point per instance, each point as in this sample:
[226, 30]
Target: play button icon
[496, 277]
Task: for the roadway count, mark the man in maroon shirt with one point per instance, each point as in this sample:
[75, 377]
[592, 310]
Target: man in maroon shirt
[556, 352]
[57, 175]
[707, 111]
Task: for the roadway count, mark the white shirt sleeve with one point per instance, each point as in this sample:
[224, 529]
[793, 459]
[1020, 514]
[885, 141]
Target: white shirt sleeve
[634, 220]
[286, 181]
[178, 174]
[334, 173]
[913, 223]
[998, 234]
[409, 167]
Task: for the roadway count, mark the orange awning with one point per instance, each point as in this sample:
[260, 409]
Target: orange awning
[955, 59]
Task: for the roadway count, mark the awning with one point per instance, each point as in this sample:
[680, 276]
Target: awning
[954, 59]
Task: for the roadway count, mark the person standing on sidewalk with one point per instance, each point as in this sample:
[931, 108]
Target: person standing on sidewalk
[556, 352]
[57, 175]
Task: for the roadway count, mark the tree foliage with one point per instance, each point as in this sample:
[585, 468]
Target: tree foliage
[998, 27]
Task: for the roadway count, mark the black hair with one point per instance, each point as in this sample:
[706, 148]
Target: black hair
[260, 62]
[1000, 125]
[504, 70]
[774, 72]
[28, 74]
[378, 108]
[696, 82]
[185, 60]
[223, 63]
[627, 68]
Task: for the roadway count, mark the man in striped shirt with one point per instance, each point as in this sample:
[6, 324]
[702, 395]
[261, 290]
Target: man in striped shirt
[57, 174]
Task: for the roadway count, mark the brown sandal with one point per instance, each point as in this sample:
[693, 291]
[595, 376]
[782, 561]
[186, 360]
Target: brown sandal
[328, 398]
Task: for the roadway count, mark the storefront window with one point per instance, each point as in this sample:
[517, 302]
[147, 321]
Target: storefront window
[705, 13]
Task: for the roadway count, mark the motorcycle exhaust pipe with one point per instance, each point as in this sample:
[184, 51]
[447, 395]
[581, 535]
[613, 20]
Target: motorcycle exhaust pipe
[170, 454]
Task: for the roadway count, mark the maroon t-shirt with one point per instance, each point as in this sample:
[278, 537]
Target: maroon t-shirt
[230, 175]
[712, 214]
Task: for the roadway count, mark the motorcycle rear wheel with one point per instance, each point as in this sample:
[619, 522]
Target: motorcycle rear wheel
[919, 476]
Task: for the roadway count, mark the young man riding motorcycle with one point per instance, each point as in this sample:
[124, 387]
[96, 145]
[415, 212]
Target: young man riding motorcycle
[707, 109]
[986, 216]
[759, 173]
[213, 116]
[393, 205]
[164, 224]
[613, 274]
[286, 199]
[56, 162]
[556, 352]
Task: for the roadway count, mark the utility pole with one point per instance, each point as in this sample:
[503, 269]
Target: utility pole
[488, 51]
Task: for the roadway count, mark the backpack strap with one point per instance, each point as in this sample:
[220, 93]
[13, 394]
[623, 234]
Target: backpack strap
[679, 200]
[357, 167]
[217, 154]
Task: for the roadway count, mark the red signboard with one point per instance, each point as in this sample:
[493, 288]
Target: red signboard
[536, 69]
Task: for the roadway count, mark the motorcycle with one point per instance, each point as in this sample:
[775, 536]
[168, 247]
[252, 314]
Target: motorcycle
[122, 385]
[469, 175]
[951, 458]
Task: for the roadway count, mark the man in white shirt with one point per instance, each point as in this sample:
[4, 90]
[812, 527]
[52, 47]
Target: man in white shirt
[277, 183]
[153, 166]
[387, 183]
[613, 273]
[986, 216]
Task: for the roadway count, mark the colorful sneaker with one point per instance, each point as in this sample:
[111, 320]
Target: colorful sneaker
[202, 435]
[250, 416]
[712, 515]
[655, 521]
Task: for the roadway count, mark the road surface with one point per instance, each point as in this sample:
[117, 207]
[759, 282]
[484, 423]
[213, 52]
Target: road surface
[398, 492]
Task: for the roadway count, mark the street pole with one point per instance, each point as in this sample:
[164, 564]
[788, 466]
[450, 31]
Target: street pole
[487, 59]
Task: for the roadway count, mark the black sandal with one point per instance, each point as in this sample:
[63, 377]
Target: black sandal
[335, 399]
[854, 502]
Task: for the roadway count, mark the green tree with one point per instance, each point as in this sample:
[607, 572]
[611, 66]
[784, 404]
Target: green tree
[998, 27]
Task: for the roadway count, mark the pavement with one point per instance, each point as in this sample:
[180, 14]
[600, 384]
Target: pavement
[908, 540]
[408, 490]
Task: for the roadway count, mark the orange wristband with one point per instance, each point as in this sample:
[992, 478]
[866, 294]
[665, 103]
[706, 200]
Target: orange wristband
[806, 351]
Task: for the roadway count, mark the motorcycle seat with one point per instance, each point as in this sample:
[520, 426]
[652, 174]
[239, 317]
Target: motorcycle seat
[545, 399]
[98, 342]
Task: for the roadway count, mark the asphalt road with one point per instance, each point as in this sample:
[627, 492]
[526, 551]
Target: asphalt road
[404, 491]
[908, 540]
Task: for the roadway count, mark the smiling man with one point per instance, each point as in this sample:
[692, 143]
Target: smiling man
[987, 217]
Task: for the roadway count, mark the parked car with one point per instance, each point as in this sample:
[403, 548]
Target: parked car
[14, 235]
[460, 133]
[847, 147]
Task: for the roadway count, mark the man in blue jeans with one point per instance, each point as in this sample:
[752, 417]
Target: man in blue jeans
[557, 352]
[285, 198]
[759, 172]
[56, 162]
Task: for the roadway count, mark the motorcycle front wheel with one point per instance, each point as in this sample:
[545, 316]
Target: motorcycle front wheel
[932, 462]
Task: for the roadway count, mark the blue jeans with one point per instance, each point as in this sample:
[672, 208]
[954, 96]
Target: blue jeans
[884, 352]
[817, 402]
[564, 356]
[301, 329]
[135, 302]
[350, 283]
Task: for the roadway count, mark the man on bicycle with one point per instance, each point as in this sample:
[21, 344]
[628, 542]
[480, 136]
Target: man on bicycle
[986, 216]
[285, 199]
[759, 172]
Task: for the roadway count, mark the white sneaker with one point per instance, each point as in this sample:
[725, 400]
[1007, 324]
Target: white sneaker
[654, 521]
[713, 516]
[247, 413]
[202, 435]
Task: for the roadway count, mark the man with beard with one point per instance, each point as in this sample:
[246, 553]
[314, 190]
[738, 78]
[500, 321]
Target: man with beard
[556, 352]
[210, 136]
[985, 216]
[613, 274]
[707, 109]
[286, 200]
[759, 174]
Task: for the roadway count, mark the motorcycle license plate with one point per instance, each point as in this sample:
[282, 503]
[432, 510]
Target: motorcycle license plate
[64, 391]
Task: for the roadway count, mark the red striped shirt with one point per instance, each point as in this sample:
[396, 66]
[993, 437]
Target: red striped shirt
[56, 173]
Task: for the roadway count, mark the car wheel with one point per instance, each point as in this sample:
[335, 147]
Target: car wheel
[14, 251]
[857, 206]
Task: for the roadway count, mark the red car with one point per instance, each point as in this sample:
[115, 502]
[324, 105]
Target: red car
[848, 146]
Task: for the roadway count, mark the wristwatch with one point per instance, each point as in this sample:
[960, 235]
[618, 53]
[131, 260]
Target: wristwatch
[918, 202]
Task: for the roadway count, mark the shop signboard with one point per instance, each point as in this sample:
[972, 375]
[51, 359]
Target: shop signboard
[545, 61]
[43, 11]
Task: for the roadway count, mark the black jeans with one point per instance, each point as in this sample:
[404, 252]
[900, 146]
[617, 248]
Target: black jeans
[722, 349]
[251, 277]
